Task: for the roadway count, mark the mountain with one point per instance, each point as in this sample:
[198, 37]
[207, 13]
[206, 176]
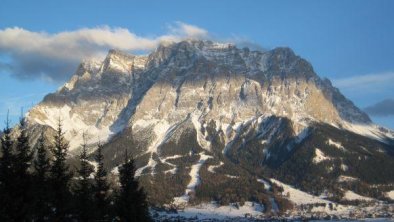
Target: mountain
[208, 121]
[382, 108]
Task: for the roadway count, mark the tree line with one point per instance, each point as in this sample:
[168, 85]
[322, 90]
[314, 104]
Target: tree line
[36, 184]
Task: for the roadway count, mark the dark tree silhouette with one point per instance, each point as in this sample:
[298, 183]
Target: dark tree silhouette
[83, 191]
[101, 187]
[60, 176]
[42, 192]
[131, 202]
[22, 186]
[40, 177]
[7, 176]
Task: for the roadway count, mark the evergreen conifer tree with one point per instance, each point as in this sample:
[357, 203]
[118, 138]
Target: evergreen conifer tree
[83, 192]
[60, 177]
[40, 177]
[22, 186]
[7, 175]
[131, 202]
[101, 187]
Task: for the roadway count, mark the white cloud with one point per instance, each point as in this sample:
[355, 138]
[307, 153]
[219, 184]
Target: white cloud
[55, 56]
[370, 82]
[183, 29]
[365, 90]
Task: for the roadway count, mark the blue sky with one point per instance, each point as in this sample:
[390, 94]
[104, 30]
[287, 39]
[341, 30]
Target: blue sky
[349, 42]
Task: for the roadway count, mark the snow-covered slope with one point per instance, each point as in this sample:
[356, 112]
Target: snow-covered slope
[298, 196]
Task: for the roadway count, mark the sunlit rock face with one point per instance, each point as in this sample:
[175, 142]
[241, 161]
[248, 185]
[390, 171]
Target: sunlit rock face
[91, 102]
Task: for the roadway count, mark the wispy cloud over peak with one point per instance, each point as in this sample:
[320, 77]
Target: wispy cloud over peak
[54, 56]
[370, 81]
[189, 31]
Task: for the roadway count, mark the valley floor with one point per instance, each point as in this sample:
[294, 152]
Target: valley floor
[254, 212]
[306, 207]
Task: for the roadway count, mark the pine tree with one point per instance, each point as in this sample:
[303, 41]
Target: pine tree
[131, 202]
[22, 186]
[84, 188]
[23, 151]
[101, 187]
[7, 175]
[40, 178]
[60, 176]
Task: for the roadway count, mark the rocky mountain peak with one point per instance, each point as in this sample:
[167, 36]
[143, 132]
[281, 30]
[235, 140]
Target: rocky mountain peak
[280, 62]
[199, 79]
[89, 66]
[117, 61]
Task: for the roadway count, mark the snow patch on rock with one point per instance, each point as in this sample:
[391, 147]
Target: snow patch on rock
[319, 156]
[73, 126]
[205, 144]
[344, 167]
[335, 144]
[212, 168]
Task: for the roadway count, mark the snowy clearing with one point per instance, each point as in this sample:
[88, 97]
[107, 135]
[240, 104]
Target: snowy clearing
[350, 195]
[214, 211]
[390, 194]
[267, 186]
[298, 196]
[346, 179]
[115, 171]
[231, 176]
[163, 132]
[195, 180]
